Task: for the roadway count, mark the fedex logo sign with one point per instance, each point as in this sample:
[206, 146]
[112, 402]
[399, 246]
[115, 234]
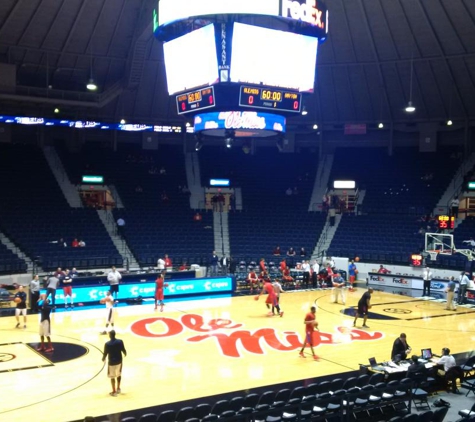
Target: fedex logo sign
[305, 11]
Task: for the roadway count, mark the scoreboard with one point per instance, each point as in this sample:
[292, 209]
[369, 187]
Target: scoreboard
[269, 98]
[445, 222]
[195, 100]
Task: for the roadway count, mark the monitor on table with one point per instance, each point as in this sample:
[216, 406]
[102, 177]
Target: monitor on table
[426, 354]
[372, 362]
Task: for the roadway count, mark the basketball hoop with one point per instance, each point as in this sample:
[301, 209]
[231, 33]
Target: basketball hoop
[433, 255]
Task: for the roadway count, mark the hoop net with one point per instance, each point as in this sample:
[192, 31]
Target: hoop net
[433, 255]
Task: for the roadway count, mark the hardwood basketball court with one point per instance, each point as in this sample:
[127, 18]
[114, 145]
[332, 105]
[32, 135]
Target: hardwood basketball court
[205, 347]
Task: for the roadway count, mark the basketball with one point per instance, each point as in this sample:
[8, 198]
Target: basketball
[43, 296]
[256, 297]
[17, 300]
[315, 324]
[357, 259]
[103, 300]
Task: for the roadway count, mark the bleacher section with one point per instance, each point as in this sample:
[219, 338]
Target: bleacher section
[35, 215]
[399, 190]
[269, 217]
[153, 226]
[396, 184]
[9, 262]
[377, 238]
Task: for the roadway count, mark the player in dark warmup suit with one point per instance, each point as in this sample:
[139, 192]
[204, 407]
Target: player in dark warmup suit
[45, 324]
[364, 304]
[114, 348]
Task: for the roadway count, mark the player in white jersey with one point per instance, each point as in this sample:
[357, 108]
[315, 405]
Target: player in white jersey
[108, 300]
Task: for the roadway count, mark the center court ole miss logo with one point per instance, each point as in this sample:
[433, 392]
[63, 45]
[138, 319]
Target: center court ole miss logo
[231, 339]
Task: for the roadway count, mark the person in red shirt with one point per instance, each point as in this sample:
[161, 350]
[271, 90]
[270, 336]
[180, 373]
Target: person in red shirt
[253, 280]
[159, 285]
[197, 217]
[183, 267]
[75, 243]
[286, 278]
[330, 275]
[383, 270]
[276, 251]
[311, 325]
[168, 262]
[271, 300]
[262, 266]
[283, 265]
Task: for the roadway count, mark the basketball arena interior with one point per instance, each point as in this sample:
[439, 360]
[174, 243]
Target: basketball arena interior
[328, 146]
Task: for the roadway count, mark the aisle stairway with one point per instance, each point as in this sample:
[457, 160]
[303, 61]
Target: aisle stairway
[17, 256]
[221, 233]
[70, 191]
[109, 223]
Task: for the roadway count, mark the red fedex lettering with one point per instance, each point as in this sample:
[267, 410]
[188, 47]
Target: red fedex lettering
[250, 341]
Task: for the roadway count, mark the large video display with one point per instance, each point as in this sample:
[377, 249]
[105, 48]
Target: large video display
[191, 60]
[270, 57]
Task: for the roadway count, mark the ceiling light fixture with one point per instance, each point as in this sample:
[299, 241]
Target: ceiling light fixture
[315, 126]
[56, 110]
[91, 85]
[122, 121]
[229, 138]
[450, 122]
[381, 125]
[410, 107]
[304, 111]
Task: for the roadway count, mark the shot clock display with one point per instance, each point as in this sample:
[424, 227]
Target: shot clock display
[268, 98]
[416, 259]
[195, 100]
[445, 222]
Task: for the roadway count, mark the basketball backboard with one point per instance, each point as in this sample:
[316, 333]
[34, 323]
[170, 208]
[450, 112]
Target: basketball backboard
[439, 243]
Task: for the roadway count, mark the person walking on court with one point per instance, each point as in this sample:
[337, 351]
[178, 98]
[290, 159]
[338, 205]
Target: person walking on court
[306, 274]
[400, 348]
[114, 278]
[278, 290]
[271, 299]
[45, 324]
[311, 325]
[20, 300]
[339, 287]
[213, 264]
[364, 304]
[159, 285]
[427, 277]
[34, 293]
[53, 283]
[463, 287]
[114, 349]
[450, 290]
[109, 302]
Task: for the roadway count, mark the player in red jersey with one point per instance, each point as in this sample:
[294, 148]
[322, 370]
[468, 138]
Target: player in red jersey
[286, 278]
[311, 324]
[253, 280]
[283, 265]
[271, 300]
[262, 268]
[159, 285]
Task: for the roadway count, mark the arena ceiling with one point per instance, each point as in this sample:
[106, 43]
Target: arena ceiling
[363, 72]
